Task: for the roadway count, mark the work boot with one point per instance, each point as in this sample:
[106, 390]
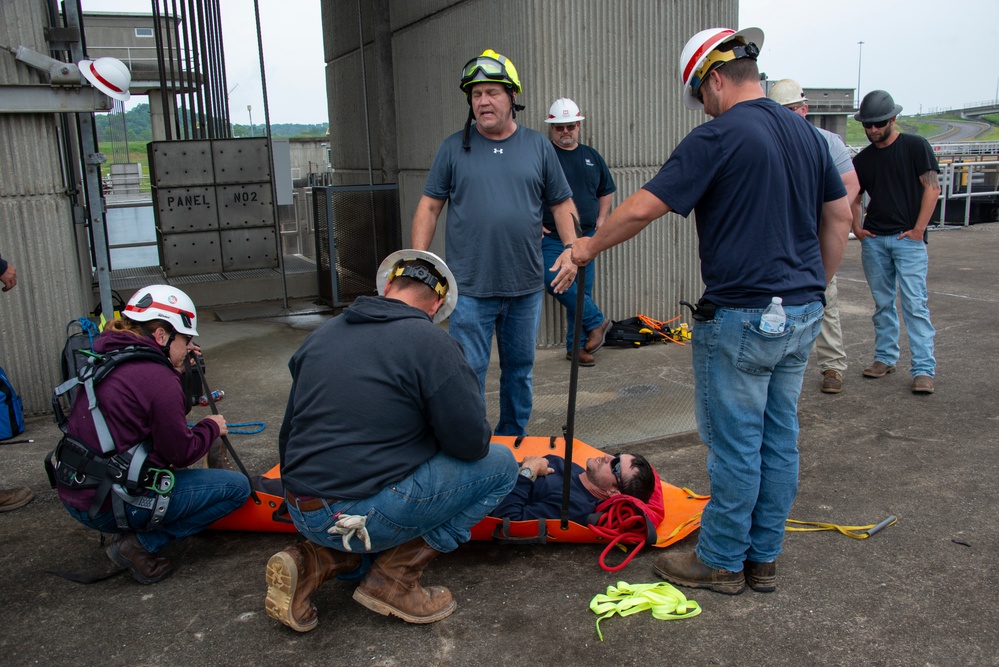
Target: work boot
[761, 577]
[595, 339]
[922, 384]
[294, 574]
[146, 568]
[878, 369]
[392, 586]
[585, 358]
[832, 382]
[11, 499]
[218, 457]
[686, 569]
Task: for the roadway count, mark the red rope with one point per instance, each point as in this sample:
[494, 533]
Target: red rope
[623, 523]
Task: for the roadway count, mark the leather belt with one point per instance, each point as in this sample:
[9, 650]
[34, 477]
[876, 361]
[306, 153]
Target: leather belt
[305, 503]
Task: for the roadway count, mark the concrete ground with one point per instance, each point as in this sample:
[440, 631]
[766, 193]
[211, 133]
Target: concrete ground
[922, 592]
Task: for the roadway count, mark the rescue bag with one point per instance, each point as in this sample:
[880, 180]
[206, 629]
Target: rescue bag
[126, 477]
[630, 332]
[11, 412]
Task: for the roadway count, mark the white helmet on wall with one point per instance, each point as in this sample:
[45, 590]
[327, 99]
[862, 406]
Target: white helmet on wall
[443, 282]
[163, 302]
[695, 63]
[787, 91]
[109, 75]
[564, 111]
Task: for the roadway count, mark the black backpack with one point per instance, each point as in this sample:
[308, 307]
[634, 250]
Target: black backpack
[630, 332]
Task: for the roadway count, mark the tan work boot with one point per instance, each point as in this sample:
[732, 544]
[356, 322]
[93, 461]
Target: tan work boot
[294, 574]
[11, 499]
[392, 586]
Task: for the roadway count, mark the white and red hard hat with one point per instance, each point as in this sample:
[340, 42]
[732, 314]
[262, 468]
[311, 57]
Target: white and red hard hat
[163, 302]
[693, 65]
[109, 75]
[564, 111]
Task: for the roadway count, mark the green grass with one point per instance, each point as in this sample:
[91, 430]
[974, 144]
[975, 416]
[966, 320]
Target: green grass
[917, 125]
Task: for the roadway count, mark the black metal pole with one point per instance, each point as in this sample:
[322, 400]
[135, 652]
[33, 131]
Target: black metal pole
[570, 420]
[193, 362]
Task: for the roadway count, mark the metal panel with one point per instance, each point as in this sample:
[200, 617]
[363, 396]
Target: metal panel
[241, 160]
[246, 205]
[191, 209]
[190, 254]
[178, 163]
[244, 249]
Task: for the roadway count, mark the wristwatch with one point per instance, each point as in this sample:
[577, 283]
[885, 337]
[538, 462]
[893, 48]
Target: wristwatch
[528, 473]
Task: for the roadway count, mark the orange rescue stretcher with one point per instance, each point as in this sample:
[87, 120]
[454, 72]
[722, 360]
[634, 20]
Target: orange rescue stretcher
[681, 507]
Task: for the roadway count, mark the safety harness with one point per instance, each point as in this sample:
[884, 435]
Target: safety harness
[128, 476]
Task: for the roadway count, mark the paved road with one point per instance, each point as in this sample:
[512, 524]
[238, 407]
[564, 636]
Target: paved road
[959, 130]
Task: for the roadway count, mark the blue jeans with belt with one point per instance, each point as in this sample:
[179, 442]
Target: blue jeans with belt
[200, 497]
[440, 501]
[746, 388]
[888, 261]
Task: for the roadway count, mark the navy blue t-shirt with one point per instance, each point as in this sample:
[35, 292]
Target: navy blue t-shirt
[589, 178]
[756, 178]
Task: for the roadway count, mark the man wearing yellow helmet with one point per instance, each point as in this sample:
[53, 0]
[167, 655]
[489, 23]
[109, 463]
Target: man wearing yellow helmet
[495, 180]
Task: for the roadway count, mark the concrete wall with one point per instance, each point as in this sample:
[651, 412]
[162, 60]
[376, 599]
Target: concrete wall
[618, 60]
[37, 234]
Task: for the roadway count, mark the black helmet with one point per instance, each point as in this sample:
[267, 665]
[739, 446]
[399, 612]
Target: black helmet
[877, 106]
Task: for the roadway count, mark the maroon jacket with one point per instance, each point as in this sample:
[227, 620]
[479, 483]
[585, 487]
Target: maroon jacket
[139, 400]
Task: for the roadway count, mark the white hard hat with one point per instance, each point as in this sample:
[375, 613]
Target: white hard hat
[163, 302]
[787, 91]
[109, 75]
[443, 283]
[697, 50]
[564, 111]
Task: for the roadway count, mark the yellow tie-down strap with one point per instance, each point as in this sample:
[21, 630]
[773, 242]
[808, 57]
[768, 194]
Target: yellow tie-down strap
[664, 601]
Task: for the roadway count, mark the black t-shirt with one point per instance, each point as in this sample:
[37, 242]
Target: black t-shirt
[890, 176]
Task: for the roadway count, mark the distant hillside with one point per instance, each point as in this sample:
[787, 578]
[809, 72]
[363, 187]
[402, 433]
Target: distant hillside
[137, 123]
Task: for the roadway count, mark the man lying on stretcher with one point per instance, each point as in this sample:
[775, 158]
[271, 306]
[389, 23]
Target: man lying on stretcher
[538, 492]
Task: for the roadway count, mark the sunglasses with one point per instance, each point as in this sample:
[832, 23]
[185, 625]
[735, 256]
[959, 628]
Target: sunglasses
[615, 466]
[878, 125]
[564, 128]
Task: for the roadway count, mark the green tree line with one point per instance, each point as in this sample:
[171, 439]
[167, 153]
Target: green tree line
[139, 128]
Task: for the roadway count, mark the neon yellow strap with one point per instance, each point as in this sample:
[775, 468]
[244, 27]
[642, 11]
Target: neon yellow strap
[856, 532]
[665, 602]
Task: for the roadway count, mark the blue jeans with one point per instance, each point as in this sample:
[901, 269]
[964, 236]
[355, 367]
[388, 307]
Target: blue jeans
[593, 317]
[515, 320]
[746, 387]
[440, 501]
[888, 260]
[200, 497]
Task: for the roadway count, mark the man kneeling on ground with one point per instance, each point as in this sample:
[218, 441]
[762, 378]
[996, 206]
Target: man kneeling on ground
[385, 447]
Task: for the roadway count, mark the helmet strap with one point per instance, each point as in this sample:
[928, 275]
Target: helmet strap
[465, 138]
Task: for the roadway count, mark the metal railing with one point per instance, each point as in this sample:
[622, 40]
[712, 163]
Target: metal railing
[958, 180]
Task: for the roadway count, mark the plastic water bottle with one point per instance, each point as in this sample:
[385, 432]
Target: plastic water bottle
[218, 395]
[773, 318]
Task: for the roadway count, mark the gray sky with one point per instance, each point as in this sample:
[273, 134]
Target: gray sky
[924, 52]
[928, 54]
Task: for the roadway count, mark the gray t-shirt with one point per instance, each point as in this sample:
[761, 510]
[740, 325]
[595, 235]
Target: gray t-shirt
[495, 192]
[837, 151]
